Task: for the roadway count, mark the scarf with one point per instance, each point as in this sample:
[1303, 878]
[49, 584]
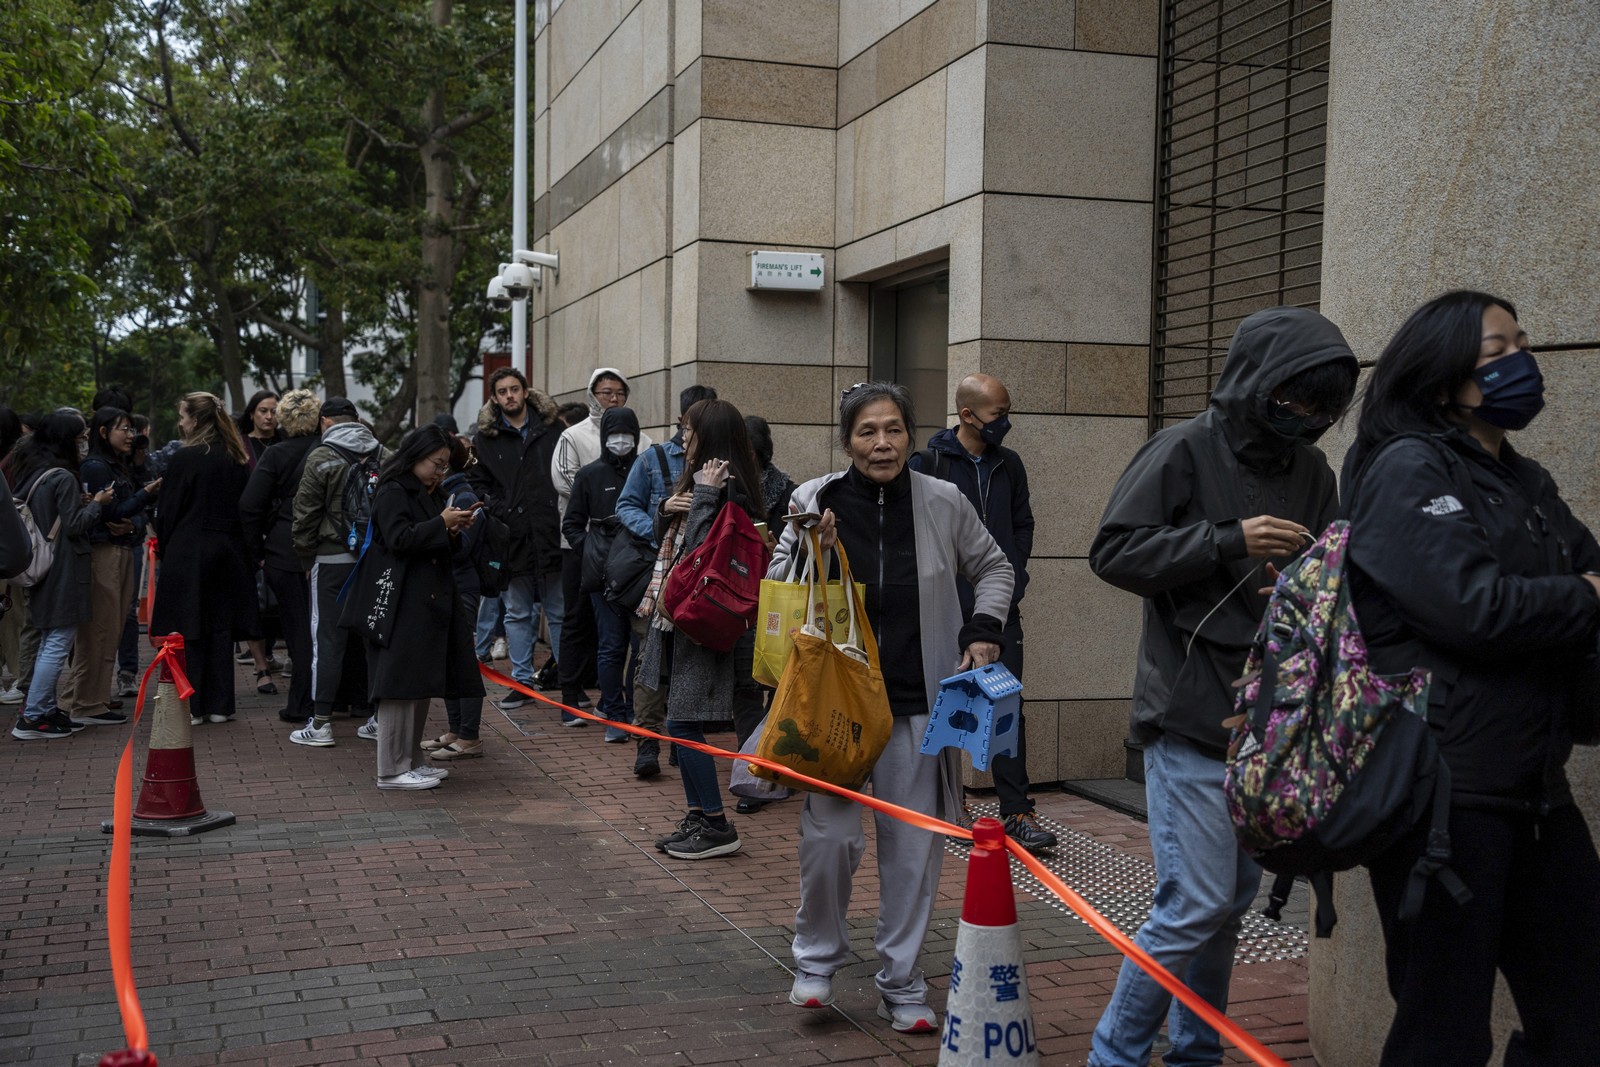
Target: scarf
[671, 545]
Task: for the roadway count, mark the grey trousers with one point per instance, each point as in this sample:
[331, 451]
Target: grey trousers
[831, 845]
[400, 726]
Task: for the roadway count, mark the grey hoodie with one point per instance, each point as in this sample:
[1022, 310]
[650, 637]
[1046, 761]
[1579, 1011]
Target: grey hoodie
[1173, 529]
[319, 520]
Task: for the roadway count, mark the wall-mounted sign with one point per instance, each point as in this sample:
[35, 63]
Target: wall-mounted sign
[786, 270]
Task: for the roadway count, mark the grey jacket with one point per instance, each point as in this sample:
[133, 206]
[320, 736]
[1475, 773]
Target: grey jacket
[320, 526]
[62, 599]
[951, 542]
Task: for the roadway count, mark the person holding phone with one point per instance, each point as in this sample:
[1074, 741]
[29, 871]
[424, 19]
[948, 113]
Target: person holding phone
[405, 604]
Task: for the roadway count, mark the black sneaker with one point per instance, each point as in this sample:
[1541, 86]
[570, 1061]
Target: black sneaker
[1025, 830]
[513, 700]
[106, 718]
[706, 842]
[46, 729]
[647, 763]
[61, 718]
[687, 827]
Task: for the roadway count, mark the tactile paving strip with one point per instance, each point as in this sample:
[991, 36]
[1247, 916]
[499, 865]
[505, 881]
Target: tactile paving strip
[1120, 887]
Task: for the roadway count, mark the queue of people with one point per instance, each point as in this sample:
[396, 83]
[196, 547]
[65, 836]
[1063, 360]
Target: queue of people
[388, 571]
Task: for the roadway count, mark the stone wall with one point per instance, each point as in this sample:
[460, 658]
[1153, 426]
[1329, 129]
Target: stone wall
[1462, 152]
[1012, 138]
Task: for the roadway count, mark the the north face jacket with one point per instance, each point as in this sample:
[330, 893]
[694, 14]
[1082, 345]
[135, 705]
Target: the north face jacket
[1173, 529]
[1470, 566]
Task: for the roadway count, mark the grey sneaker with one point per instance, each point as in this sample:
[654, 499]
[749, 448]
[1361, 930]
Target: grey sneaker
[1025, 830]
[811, 990]
[310, 734]
[440, 773]
[682, 832]
[127, 684]
[909, 1018]
[706, 842]
[368, 731]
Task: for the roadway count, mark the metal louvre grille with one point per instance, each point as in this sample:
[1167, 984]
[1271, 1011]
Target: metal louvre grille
[1244, 92]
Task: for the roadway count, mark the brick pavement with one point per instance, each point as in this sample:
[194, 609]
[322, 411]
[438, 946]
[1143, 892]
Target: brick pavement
[517, 915]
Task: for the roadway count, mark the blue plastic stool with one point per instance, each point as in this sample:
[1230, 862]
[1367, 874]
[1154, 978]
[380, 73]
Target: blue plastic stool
[978, 710]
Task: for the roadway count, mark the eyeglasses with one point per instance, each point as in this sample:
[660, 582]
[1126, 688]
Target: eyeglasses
[1313, 422]
[439, 464]
[611, 392]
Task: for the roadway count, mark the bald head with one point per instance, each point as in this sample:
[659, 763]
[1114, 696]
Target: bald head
[980, 391]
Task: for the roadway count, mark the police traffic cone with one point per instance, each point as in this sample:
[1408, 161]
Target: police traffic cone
[169, 801]
[987, 1018]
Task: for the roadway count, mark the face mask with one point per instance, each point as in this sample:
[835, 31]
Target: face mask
[994, 432]
[83, 449]
[1513, 391]
[1292, 425]
[619, 444]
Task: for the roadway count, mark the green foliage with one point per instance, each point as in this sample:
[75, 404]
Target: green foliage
[57, 175]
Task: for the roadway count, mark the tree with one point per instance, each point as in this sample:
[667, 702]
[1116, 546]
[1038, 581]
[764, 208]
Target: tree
[57, 175]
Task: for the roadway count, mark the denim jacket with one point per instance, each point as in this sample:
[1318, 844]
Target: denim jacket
[645, 489]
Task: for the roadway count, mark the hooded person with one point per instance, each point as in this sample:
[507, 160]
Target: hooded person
[591, 515]
[1194, 526]
[580, 445]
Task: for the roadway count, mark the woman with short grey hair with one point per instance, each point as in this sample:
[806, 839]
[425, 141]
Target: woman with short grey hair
[915, 612]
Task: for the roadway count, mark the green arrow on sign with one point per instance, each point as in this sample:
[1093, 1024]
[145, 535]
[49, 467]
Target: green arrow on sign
[816, 270]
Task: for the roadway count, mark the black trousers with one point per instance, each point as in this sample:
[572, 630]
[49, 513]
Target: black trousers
[208, 661]
[338, 664]
[1534, 916]
[579, 637]
[292, 590]
[1011, 772]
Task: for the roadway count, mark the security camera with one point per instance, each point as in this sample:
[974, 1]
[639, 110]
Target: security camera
[497, 296]
[519, 280]
[548, 260]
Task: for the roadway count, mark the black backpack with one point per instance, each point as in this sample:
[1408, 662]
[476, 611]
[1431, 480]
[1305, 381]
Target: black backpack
[360, 482]
[492, 560]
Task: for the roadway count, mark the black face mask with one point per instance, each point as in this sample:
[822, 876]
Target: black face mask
[1289, 425]
[994, 432]
[1513, 391]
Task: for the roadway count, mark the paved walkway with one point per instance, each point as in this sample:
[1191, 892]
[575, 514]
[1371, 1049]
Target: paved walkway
[518, 914]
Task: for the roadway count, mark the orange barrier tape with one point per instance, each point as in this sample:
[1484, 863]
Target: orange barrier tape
[1080, 907]
[148, 595]
[119, 918]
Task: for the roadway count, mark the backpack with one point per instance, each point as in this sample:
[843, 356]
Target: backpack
[1330, 762]
[42, 544]
[492, 560]
[360, 482]
[630, 559]
[712, 592]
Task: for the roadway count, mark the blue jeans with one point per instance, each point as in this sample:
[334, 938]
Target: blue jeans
[525, 598]
[488, 621]
[1204, 885]
[55, 645]
[613, 662]
[699, 771]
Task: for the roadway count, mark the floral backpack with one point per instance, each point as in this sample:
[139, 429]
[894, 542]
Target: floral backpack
[1331, 762]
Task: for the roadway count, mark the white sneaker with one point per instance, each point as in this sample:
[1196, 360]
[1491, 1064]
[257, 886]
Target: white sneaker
[219, 718]
[368, 731]
[196, 720]
[440, 773]
[498, 650]
[309, 734]
[12, 695]
[408, 780]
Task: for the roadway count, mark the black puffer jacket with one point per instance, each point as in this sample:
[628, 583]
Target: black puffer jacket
[512, 476]
[1470, 566]
[1173, 529]
[595, 489]
[267, 508]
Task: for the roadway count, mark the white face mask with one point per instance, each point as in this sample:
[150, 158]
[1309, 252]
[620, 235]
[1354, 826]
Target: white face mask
[83, 449]
[619, 444]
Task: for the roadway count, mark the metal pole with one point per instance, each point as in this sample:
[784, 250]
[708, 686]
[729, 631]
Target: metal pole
[519, 187]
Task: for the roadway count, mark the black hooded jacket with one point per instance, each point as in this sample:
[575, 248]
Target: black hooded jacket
[1173, 529]
[512, 478]
[1470, 566]
[597, 484]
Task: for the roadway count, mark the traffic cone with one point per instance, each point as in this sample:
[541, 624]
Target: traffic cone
[988, 1018]
[169, 801]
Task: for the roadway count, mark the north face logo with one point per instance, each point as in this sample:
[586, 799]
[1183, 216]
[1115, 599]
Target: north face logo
[1442, 505]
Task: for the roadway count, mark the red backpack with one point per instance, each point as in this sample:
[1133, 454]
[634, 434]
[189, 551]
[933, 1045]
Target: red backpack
[712, 592]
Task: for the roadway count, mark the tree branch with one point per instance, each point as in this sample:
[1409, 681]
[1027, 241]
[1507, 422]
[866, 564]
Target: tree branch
[287, 329]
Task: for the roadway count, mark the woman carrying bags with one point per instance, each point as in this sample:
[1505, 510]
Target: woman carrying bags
[908, 537]
[403, 602]
[702, 685]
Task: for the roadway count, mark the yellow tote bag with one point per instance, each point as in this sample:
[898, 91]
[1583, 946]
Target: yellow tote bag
[782, 610]
[830, 717]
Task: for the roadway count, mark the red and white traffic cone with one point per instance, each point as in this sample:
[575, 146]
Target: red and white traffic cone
[169, 801]
[988, 1018]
